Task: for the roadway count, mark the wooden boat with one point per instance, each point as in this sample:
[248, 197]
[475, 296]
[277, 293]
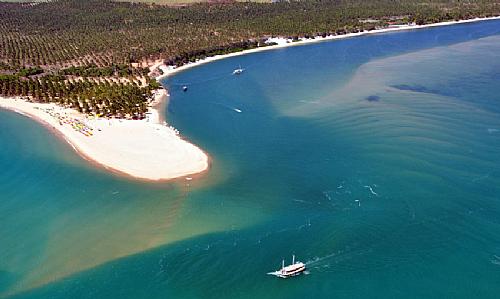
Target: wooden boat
[291, 270]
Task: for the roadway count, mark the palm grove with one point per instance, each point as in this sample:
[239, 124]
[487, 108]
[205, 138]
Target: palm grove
[93, 55]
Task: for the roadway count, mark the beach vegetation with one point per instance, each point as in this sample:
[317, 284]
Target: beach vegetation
[98, 52]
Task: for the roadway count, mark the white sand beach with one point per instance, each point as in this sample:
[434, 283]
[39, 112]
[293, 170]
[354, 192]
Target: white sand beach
[148, 149]
[283, 42]
[144, 149]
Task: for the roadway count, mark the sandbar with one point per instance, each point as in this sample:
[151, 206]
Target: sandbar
[145, 149]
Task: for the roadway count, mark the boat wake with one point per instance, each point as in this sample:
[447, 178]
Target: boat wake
[496, 260]
[371, 189]
[237, 110]
[318, 260]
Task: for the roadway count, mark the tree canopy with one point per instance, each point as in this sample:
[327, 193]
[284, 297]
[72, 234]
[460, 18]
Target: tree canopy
[76, 51]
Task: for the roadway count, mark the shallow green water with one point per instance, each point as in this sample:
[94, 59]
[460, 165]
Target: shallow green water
[376, 160]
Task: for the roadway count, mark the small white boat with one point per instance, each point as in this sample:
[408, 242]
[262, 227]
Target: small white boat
[184, 88]
[238, 71]
[291, 270]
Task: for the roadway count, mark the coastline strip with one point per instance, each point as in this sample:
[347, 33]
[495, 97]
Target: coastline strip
[148, 149]
[282, 43]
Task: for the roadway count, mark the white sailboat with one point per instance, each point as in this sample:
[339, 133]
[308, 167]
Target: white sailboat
[291, 270]
[238, 71]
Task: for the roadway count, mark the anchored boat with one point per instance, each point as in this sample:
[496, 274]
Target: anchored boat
[291, 270]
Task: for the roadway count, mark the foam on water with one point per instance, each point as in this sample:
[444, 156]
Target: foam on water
[393, 115]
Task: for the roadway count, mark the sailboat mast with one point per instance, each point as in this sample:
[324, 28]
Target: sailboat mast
[293, 259]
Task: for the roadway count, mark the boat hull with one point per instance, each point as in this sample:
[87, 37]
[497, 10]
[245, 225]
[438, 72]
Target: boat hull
[283, 273]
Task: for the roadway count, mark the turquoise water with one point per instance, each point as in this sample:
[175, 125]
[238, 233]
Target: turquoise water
[376, 160]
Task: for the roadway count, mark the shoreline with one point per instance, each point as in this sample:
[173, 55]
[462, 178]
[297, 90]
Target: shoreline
[154, 153]
[148, 149]
[283, 43]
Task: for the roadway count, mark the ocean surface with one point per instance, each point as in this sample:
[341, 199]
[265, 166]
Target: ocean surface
[375, 160]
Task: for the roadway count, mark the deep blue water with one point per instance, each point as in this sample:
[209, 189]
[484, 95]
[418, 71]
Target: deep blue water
[376, 160]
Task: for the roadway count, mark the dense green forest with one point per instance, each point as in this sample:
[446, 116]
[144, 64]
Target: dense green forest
[73, 51]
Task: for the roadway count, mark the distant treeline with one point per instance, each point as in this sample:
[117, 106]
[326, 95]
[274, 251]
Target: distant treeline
[101, 38]
[194, 55]
[104, 32]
